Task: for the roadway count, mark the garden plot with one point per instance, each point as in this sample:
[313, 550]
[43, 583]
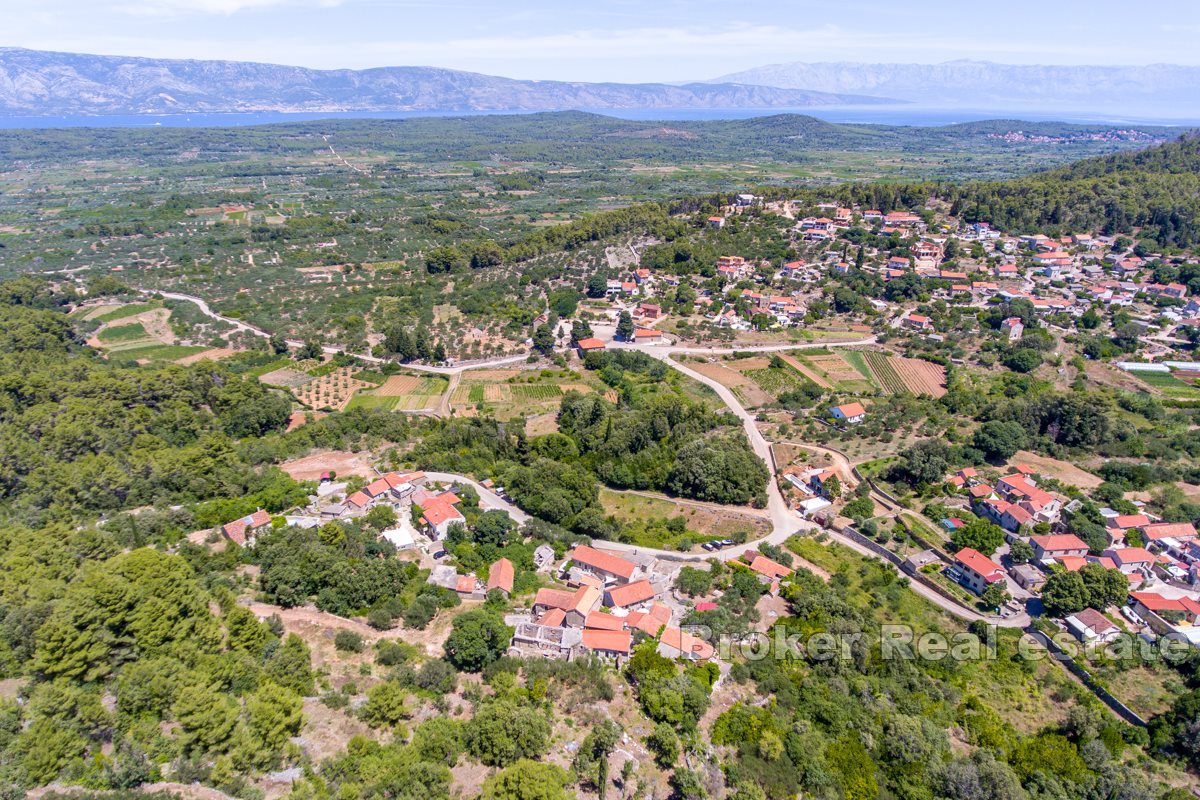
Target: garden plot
[333, 390]
[837, 372]
[746, 389]
[402, 393]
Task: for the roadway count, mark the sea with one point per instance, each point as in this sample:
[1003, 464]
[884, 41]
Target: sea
[908, 115]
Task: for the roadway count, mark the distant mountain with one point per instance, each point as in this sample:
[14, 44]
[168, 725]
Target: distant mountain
[34, 82]
[1163, 89]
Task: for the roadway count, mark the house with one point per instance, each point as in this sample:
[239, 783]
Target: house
[465, 585]
[1092, 627]
[817, 480]
[615, 645]
[574, 606]
[1131, 559]
[852, 413]
[649, 310]
[768, 569]
[589, 345]
[1057, 546]
[978, 571]
[1164, 614]
[1028, 577]
[358, 501]
[500, 576]
[631, 594]
[543, 557]
[610, 569]
[402, 485]
[676, 643]
[917, 322]
[438, 518]
[716, 222]
[603, 621]
[1179, 531]
[1119, 524]
[647, 335]
[241, 531]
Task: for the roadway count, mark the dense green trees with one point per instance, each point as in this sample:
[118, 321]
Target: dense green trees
[477, 638]
[1092, 586]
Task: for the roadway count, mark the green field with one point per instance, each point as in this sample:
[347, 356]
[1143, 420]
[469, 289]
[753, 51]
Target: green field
[123, 333]
[879, 365]
[126, 311]
[1169, 385]
[776, 380]
[160, 352]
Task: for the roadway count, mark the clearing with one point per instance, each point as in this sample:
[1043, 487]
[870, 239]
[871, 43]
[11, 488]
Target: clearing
[1062, 470]
[310, 467]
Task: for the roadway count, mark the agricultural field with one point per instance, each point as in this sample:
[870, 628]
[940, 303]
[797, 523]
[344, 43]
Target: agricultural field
[158, 352]
[507, 394]
[905, 375]
[702, 523]
[1169, 385]
[838, 372]
[330, 390]
[119, 334]
[421, 393]
[746, 390]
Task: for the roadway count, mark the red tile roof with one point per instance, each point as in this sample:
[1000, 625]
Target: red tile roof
[359, 499]
[465, 584]
[772, 569]
[1126, 521]
[1063, 541]
[852, 409]
[377, 487]
[591, 557]
[978, 563]
[608, 641]
[1169, 530]
[500, 576]
[687, 644]
[437, 513]
[631, 594]
[552, 618]
[590, 344]
[605, 622]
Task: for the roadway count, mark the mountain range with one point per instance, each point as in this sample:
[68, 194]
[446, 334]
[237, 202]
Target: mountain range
[35, 82]
[1163, 89]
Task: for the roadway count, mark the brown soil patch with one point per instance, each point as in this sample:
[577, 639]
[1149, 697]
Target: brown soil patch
[299, 419]
[743, 364]
[722, 374]
[213, 354]
[480, 375]
[542, 424]
[327, 730]
[285, 376]
[496, 393]
[835, 368]
[582, 388]
[920, 377]
[1062, 470]
[333, 390]
[397, 385]
[343, 463]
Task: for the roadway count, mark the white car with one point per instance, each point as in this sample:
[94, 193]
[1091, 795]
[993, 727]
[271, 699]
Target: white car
[1131, 615]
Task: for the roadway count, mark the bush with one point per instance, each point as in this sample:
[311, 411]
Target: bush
[347, 641]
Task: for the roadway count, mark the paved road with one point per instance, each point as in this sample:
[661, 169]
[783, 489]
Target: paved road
[487, 498]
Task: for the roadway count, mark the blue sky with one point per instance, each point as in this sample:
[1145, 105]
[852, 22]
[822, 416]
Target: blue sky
[617, 40]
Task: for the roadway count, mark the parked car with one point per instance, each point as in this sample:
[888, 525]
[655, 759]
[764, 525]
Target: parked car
[1131, 615]
[709, 546]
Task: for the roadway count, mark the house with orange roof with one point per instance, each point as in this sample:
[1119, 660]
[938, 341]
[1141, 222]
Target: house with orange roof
[575, 605]
[610, 569]
[241, 531]
[918, 322]
[589, 345]
[599, 620]
[615, 645]
[647, 335]
[358, 501]
[1166, 615]
[500, 576]
[438, 514]
[1057, 546]
[1131, 559]
[850, 413]
[977, 570]
[629, 595]
[1179, 531]
[677, 643]
[465, 585]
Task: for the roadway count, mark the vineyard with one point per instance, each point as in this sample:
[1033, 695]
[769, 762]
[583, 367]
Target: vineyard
[775, 380]
[881, 368]
[535, 392]
[905, 375]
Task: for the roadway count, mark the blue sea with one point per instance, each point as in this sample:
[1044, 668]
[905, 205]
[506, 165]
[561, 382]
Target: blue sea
[865, 115]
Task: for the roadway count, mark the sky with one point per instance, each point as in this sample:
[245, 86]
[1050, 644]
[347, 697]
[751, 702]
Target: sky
[611, 40]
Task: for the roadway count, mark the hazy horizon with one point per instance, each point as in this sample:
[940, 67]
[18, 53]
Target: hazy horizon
[617, 41]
